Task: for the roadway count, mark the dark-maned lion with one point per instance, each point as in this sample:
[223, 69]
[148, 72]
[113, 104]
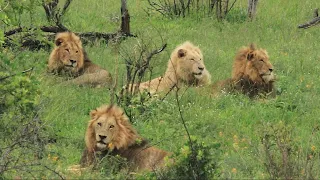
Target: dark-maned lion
[110, 132]
[68, 58]
[252, 74]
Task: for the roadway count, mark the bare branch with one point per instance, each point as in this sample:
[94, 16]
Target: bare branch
[313, 22]
[55, 172]
[2, 9]
[25, 71]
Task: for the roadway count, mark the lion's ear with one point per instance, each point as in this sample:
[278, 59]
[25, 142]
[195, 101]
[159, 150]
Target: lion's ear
[93, 114]
[181, 53]
[253, 47]
[59, 41]
[250, 55]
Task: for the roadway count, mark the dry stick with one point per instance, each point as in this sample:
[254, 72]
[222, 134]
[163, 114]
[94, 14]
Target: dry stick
[25, 71]
[185, 127]
[113, 89]
[57, 173]
[147, 62]
[231, 6]
[172, 87]
[182, 119]
[311, 23]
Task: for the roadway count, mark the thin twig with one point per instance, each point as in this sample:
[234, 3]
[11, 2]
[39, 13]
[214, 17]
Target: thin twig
[54, 172]
[4, 7]
[186, 129]
[313, 22]
[25, 71]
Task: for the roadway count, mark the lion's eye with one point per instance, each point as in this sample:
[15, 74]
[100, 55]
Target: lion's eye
[192, 59]
[261, 60]
[111, 126]
[99, 124]
[76, 51]
[67, 50]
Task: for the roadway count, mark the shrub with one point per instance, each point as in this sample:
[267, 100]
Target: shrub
[198, 162]
[22, 132]
[284, 158]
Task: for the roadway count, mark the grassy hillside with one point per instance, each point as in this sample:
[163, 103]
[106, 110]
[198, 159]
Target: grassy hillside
[238, 124]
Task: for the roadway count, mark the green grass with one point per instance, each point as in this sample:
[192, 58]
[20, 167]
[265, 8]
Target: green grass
[232, 120]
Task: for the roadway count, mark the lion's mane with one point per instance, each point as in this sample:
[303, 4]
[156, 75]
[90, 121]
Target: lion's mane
[252, 73]
[68, 58]
[125, 142]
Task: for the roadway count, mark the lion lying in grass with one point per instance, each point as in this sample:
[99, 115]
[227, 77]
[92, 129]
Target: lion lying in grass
[68, 58]
[110, 132]
[252, 74]
[185, 67]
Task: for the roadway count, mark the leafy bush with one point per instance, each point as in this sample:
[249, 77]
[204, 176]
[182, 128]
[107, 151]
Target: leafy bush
[194, 161]
[284, 158]
[22, 133]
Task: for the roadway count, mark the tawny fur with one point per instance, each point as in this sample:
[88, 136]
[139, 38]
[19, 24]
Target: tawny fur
[110, 132]
[185, 63]
[68, 58]
[252, 74]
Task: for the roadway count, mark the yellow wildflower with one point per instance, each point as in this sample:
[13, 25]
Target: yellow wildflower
[55, 158]
[235, 139]
[110, 146]
[234, 170]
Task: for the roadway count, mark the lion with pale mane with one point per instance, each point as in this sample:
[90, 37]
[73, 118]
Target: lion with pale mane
[252, 74]
[68, 58]
[110, 133]
[185, 67]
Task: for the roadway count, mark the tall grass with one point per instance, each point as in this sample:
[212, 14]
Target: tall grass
[232, 120]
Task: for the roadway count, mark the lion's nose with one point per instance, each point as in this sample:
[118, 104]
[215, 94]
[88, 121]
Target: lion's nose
[201, 68]
[73, 61]
[102, 137]
[270, 69]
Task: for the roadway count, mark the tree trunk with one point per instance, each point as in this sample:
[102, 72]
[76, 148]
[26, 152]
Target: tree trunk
[252, 8]
[125, 18]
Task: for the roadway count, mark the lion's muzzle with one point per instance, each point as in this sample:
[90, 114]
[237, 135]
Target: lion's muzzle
[268, 77]
[72, 63]
[198, 70]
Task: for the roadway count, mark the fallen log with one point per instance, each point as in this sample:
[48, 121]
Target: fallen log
[313, 22]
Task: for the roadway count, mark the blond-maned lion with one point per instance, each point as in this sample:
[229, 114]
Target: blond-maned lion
[252, 74]
[69, 58]
[109, 132]
[185, 67]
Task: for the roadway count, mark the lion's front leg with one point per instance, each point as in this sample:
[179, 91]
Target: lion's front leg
[87, 159]
[102, 78]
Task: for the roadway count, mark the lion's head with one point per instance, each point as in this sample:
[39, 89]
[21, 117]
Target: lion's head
[254, 64]
[68, 53]
[109, 128]
[188, 61]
